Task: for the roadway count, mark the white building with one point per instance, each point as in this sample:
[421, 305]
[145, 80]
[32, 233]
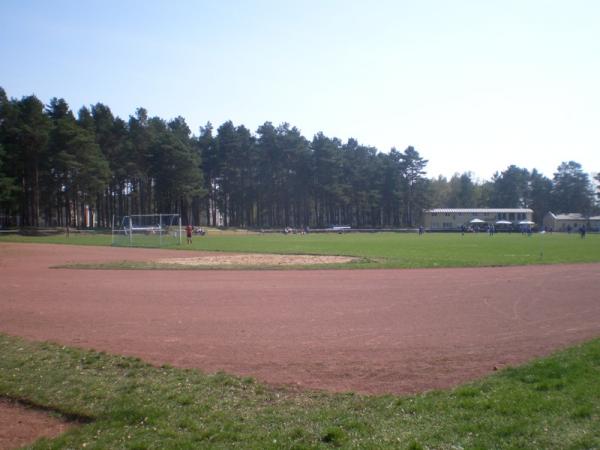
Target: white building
[454, 218]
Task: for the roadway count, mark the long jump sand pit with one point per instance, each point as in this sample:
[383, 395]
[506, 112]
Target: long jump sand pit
[368, 331]
[254, 260]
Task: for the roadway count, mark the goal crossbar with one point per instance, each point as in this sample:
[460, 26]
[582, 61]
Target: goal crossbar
[147, 230]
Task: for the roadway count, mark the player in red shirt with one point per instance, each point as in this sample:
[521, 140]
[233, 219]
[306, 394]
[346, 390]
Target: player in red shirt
[188, 232]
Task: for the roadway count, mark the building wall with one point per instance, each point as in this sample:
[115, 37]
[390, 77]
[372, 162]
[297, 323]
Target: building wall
[557, 224]
[549, 222]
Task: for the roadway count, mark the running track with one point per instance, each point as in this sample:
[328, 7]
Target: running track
[369, 331]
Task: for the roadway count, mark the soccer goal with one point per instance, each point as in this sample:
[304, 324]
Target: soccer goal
[147, 230]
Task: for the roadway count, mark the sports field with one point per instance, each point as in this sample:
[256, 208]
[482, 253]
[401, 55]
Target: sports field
[371, 332]
[388, 250]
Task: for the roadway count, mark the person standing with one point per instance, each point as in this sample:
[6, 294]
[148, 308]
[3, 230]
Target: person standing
[188, 231]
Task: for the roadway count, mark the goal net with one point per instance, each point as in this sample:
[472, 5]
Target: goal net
[148, 230]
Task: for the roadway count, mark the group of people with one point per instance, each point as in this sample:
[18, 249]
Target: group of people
[527, 230]
[290, 230]
[476, 229]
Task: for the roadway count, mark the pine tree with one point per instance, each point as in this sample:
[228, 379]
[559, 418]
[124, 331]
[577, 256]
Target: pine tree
[25, 136]
[9, 190]
[571, 189]
[79, 171]
[510, 188]
[414, 185]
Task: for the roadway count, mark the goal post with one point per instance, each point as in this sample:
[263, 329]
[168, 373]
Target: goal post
[147, 230]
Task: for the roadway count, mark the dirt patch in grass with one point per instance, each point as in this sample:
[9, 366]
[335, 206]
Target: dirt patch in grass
[21, 425]
[253, 259]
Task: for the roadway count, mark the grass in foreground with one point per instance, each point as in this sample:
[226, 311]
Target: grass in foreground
[390, 250]
[550, 403]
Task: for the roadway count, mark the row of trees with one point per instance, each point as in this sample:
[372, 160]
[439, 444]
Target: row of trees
[59, 169]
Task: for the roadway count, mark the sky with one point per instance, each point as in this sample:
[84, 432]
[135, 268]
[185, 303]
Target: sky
[473, 85]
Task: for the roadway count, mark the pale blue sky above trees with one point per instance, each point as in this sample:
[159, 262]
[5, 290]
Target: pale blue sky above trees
[472, 85]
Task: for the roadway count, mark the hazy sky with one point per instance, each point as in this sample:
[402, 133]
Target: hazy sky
[472, 85]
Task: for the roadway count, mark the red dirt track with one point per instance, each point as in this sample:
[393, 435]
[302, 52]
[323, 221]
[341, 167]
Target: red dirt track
[369, 331]
[21, 426]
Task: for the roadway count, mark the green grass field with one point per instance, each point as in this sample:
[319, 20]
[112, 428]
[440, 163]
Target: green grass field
[550, 403]
[390, 250]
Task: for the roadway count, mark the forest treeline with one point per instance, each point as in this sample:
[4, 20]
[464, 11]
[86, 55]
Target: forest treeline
[58, 168]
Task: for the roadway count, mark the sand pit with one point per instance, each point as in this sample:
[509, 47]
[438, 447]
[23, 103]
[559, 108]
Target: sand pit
[254, 259]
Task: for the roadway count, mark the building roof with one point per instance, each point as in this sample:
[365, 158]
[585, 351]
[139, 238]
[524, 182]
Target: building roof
[573, 216]
[479, 210]
[568, 216]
